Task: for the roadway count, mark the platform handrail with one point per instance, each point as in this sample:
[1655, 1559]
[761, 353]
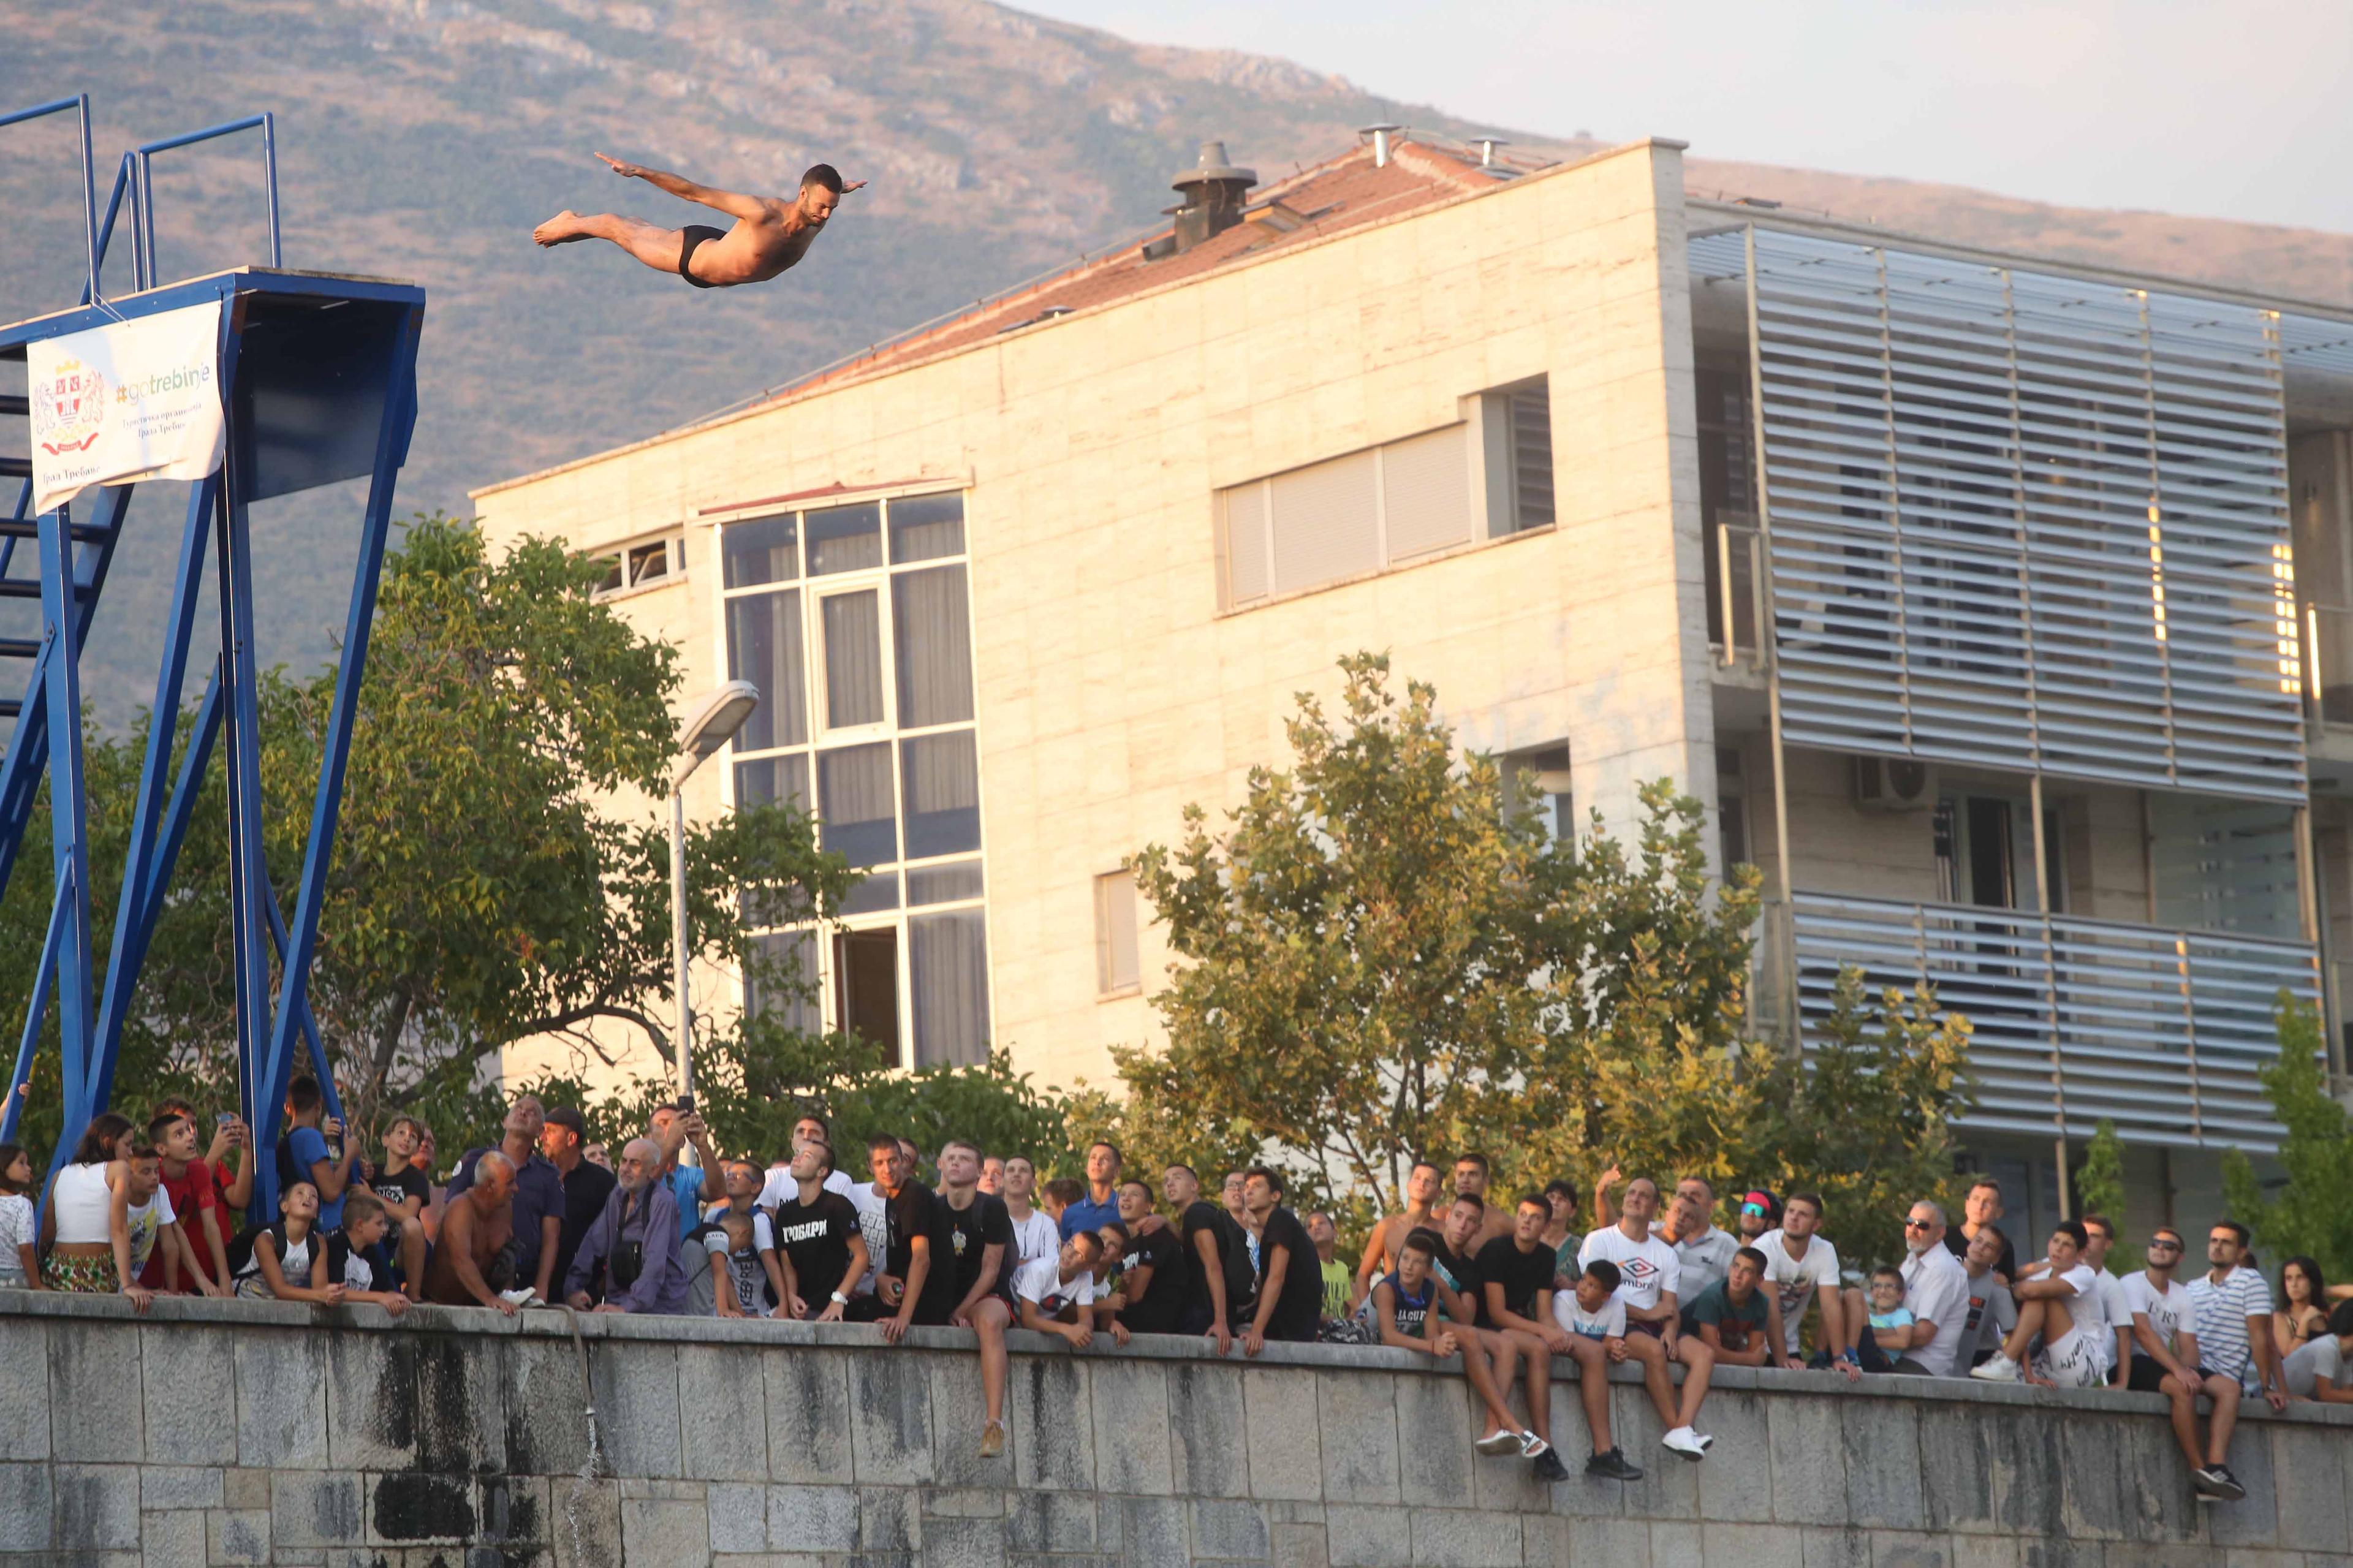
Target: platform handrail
[143, 208]
[79, 102]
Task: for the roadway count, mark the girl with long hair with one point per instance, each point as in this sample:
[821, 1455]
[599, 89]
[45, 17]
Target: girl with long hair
[20, 1259]
[2303, 1304]
[90, 1250]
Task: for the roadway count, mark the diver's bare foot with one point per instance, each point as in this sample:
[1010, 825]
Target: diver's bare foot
[561, 229]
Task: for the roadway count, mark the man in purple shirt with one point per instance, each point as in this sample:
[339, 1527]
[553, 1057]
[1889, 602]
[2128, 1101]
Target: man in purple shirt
[630, 1255]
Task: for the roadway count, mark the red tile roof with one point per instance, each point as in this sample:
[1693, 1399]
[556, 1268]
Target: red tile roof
[1342, 193]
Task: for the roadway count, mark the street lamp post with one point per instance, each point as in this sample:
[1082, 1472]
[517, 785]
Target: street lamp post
[711, 725]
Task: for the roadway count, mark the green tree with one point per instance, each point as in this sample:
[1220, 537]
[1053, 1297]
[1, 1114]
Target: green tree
[2310, 1214]
[2100, 1181]
[500, 874]
[1383, 958]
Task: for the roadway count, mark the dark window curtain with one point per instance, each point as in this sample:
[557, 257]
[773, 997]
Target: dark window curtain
[948, 956]
[857, 816]
[926, 528]
[941, 780]
[933, 624]
[781, 981]
[764, 646]
[764, 550]
[853, 660]
[845, 539]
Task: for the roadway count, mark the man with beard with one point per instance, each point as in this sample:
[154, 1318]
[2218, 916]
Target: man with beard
[633, 1245]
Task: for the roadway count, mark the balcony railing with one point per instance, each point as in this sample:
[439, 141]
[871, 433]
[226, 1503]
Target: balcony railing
[2074, 1019]
[1735, 592]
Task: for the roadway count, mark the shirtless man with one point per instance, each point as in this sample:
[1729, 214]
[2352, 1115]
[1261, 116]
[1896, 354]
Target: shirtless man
[1421, 1213]
[770, 235]
[477, 1223]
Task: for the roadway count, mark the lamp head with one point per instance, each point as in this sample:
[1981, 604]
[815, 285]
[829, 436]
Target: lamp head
[711, 724]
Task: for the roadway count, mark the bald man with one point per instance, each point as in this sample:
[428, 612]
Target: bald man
[475, 1227]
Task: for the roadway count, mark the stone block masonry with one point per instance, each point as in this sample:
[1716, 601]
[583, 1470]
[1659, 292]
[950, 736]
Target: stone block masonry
[267, 1433]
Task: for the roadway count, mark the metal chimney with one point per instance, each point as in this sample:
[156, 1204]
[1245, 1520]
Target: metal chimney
[1380, 135]
[1487, 145]
[1213, 192]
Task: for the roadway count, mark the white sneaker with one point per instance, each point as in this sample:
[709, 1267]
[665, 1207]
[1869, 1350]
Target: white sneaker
[2000, 1369]
[1499, 1442]
[1685, 1441]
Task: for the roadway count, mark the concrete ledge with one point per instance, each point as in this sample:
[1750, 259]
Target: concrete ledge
[242, 1431]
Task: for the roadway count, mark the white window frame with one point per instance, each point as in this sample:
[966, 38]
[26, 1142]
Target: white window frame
[823, 738]
[1109, 987]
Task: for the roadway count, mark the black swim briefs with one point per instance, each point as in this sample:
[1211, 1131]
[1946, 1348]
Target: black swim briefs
[695, 234]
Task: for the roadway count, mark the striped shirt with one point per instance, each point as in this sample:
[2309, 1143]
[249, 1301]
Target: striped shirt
[2219, 1318]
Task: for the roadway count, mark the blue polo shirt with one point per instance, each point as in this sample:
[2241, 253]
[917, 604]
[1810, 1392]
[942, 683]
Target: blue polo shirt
[1089, 1214]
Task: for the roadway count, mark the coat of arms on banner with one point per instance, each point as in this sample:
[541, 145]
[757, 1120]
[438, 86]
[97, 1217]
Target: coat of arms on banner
[68, 408]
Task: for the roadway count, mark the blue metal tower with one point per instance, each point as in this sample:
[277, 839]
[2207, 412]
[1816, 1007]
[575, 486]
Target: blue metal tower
[317, 377]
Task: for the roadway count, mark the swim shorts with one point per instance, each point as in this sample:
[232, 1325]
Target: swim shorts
[694, 235]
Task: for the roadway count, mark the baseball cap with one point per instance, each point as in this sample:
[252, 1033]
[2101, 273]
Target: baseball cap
[565, 1116]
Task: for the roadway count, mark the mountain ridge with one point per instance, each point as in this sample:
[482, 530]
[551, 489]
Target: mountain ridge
[422, 139]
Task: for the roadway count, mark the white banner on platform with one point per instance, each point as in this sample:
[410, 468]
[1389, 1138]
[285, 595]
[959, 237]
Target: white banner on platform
[131, 400]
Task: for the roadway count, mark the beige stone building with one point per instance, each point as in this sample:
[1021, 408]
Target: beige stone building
[2037, 712]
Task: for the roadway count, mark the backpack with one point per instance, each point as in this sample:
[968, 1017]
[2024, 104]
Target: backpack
[241, 1245]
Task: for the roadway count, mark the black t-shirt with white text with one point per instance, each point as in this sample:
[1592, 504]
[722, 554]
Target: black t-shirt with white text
[1299, 1306]
[816, 1238]
[1162, 1303]
[1234, 1252]
[400, 1186]
[972, 1231]
[916, 1211]
[1520, 1274]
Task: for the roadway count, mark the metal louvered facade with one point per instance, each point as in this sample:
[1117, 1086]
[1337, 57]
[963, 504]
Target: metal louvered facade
[2026, 520]
[2077, 1020]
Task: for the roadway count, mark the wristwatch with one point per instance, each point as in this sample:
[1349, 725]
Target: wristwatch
[839, 1299]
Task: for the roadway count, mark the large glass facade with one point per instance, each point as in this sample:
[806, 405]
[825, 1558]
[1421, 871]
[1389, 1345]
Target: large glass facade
[855, 622]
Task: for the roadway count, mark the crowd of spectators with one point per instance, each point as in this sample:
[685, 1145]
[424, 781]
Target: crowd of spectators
[1502, 1291]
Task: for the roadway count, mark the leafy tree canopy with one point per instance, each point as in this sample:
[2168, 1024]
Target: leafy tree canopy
[1383, 956]
[2307, 1212]
[502, 873]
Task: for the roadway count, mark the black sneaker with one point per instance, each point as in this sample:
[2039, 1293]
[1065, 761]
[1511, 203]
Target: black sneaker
[2207, 1483]
[1612, 1467]
[2229, 1489]
[1548, 1467]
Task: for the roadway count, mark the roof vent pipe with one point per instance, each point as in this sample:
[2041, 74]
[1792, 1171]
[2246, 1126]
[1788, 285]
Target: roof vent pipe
[1380, 135]
[1213, 192]
[1487, 145]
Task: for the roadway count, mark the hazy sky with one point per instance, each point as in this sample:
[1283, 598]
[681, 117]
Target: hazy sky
[2240, 108]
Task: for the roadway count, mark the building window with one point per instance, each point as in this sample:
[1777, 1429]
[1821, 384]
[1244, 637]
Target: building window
[642, 565]
[855, 623]
[1731, 808]
[1116, 971]
[1389, 505]
[1519, 422]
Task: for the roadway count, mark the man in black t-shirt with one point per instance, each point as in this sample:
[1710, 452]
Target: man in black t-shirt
[1982, 1210]
[818, 1232]
[1515, 1274]
[1217, 1260]
[980, 1237]
[1153, 1280]
[1454, 1266]
[917, 1281]
[1290, 1274]
[585, 1186]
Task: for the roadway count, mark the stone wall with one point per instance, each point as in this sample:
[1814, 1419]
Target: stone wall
[267, 1433]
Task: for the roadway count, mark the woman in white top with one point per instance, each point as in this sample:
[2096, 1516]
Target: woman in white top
[89, 1212]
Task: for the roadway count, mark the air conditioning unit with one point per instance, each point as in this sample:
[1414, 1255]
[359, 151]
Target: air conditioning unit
[1893, 783]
